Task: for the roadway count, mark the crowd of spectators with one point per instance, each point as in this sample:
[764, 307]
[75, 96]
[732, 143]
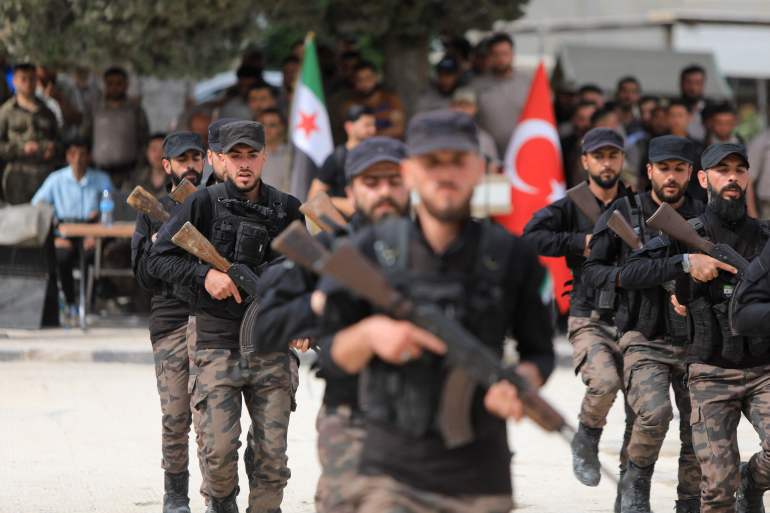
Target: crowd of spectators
[65, 137]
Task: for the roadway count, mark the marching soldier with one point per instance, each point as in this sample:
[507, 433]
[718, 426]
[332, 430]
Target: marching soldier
[653, 335]
[173, 341]
[727, 373]
[240, 217]
[485, 278]
[377, 191]
[561, 229]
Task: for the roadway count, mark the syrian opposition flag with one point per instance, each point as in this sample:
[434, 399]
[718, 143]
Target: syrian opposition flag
[309, 125]
[533, 164]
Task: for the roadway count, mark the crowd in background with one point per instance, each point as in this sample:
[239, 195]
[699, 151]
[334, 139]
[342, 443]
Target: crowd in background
[97, 136]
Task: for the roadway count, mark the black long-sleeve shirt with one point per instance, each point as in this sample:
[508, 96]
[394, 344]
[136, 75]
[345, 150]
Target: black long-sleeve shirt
[560, 229]
[609, 254]
[167, 310]
[482, 466]
[751, 316]
[172, 264]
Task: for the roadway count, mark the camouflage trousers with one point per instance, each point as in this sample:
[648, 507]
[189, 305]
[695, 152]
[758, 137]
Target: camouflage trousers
[224, 380]
[650, 369]
[383, 494]
[719, 396]
[340, 440]
[596, 356]
[171, 353]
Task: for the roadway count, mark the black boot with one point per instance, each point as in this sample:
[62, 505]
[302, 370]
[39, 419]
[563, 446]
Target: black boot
[749, 497]
[619, 493]
[175, 500]
[636, 489]
[585, 455]
[688, 505]
[225, 504]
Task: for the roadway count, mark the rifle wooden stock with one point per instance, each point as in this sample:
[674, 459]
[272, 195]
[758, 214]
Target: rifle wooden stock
[191, 240]
[323, 213]
[182, 191]
[625, 231]
[299, 246]
[668, 221]
[585, 201]
[142, 201]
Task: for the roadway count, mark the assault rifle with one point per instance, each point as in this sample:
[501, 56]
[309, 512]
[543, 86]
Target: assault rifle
[346, 265]
[191, 240]
[323, 213]
[668, 220]
[142, 201]
[182, 190]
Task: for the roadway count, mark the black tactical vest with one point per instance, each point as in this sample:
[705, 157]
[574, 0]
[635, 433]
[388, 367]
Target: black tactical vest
[408, 396]
[709, 320]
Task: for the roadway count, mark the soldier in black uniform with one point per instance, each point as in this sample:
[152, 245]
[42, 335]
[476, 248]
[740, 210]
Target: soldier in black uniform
[751, 306]
[561, 229]
[478, 273]
[240, 217]
[172, 339]
[377, 191]
[727, 373]
[653, 335]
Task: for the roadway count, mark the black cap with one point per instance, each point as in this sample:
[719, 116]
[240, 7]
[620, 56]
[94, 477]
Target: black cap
[249, 133]
[447, 64]
[176, 143]
[441, 130]
[601, 138]
[373, 151]
[214, 144]
[671, 147]
[714, 154]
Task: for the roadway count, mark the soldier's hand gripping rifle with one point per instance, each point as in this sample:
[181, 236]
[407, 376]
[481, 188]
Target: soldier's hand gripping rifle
[323, 213]
[142, 201]
[191, 240]
[182, 190]
[346, 265]
[668, 220]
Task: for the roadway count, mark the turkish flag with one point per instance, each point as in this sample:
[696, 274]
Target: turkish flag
[534, 167]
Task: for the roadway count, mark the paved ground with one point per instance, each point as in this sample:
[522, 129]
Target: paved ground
[82, 436]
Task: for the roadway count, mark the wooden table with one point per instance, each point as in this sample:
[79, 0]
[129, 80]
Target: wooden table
[117, 230]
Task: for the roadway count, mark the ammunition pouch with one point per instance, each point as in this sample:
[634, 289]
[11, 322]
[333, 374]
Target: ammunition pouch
[732, 345]
[703, 328]
[251, 244]
[606, 299]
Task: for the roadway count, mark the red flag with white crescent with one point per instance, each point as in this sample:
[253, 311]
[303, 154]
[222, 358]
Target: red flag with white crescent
[533, 164]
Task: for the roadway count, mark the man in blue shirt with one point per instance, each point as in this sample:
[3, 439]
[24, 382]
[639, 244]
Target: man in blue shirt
[74, 193]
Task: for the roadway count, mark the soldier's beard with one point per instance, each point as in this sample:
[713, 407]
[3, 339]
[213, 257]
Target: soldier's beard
[604, 183]
[730, 210]
[668, 198]
[192, 176]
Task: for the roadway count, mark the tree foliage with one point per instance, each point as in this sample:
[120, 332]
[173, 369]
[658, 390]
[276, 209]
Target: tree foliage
[158, 37]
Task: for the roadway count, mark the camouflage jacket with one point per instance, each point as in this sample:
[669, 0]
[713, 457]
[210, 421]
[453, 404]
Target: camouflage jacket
[19, 126]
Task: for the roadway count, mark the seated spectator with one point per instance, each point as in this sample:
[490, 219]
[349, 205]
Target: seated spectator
[591, 93]
[277, 168]
[261, 97]
[74, 193]
[151, 175]
[28, 138]
[119, 129]
[439, 93]
[359, 125]
[464, 100]
[386, 106]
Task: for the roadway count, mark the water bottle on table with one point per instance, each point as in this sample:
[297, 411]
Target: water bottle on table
[106, 208]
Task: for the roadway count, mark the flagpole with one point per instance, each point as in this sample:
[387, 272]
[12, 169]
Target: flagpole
[292, 154]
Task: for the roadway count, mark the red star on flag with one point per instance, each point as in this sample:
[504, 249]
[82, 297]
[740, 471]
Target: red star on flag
[307, 123]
